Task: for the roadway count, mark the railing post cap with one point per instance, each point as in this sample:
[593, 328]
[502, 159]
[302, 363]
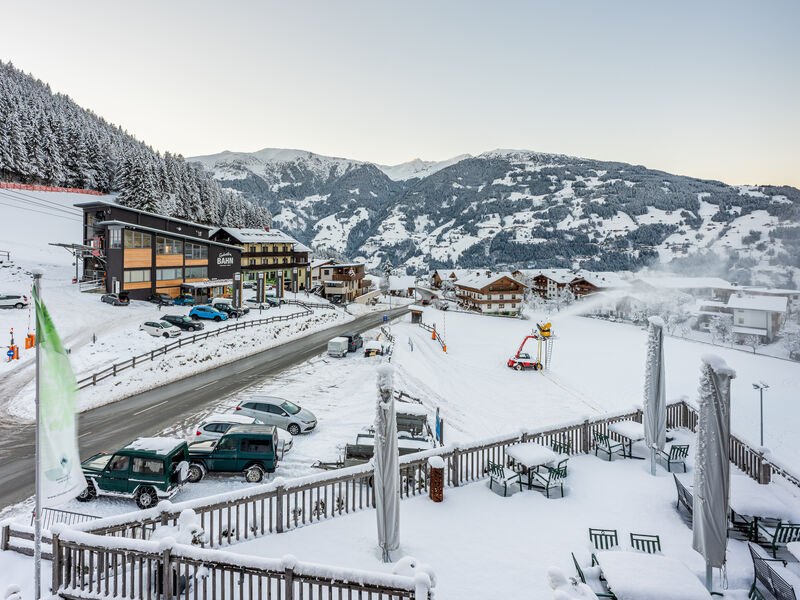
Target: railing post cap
[164, 506]
[289, 561]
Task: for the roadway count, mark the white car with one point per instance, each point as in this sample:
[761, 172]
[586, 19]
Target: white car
[13, 300]
[213, 427]
[256, 305]
[160, 328]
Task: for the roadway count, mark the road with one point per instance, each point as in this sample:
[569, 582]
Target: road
[111, 426]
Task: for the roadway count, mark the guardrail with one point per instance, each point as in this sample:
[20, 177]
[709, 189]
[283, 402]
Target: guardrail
[437, 336]
[94, 378]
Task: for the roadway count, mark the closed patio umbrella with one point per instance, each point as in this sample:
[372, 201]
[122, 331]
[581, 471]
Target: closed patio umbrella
[387, 466]
[712, 463]
[655, 397]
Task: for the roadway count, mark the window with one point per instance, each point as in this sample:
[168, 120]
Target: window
[119, 463]
[740, 320]
[136, 276]
[275, 410]
[256, 446]
[285, 260]
[489, 305]
[264, 261]
[228, 443]
[196, 272]
[501, 296]
[115, 237]
[137, 239]
[502, 305]
[166, 245]
[251, 261]
[274, 248]
[148, 466]
[195, 252]
[170, 273]
[513, 306]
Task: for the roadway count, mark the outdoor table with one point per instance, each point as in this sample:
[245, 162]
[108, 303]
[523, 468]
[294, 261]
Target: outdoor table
[630, 431]
[751, 499]
[638, 576]
[531, 456]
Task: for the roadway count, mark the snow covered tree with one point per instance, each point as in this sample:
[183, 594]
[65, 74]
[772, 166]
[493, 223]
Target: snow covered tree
[752, 341]
[721, 329]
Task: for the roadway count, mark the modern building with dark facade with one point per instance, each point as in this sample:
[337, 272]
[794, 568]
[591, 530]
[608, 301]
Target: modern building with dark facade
[142, 253]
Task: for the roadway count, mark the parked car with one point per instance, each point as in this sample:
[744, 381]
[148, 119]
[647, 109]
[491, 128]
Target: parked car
[256, 305]
[207, 312]
[248, 449]
[213, 427]
[354, 341]
[116, 299]
[279, 412]
[249, 285]
[159, 298]
[232, 311]
[183, 322]
[278, 302]
[13, 301]
[337, 347]
[160, 328]
[221, 302]
[184, 300]
[147, 470]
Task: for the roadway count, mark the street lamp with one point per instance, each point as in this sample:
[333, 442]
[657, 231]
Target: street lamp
[761, 386]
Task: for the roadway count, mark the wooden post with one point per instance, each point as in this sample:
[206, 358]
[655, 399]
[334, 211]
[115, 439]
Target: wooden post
[5, 534]
[289, 583]
[436, 466]
[56, 574]
[166, 574]
[585, 438]
[454, 467]
[764, 471]
[279, 509]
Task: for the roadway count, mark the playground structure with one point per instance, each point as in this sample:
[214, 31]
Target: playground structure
[544, 350]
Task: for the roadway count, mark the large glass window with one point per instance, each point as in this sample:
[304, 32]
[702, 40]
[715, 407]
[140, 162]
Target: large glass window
[137, 239]
[115, 237]
[137, 276]
[169, 273]
[195, 252]
[196, 272]
[165, 245]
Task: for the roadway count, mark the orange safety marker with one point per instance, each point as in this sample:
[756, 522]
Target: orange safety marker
[30, 341]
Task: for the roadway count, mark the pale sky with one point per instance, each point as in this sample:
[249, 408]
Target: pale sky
[709, 89]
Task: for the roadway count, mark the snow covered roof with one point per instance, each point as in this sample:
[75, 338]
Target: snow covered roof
[208, 283]
[320, 262]
[157, 445]
[772, 291]
[300, 247]
[558, 275]
[604, 279]
[457, 274]
[170, 234]
[136, 210]
[765, 303]
[481, 280]
[402, 282]
[247, 235]
[686, 283]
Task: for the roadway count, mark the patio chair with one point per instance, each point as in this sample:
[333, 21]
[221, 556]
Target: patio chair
[503, 476]
[603, 539]
[777, 535]
[676, 456]
[562, 447]
[554, 478]
[646, 543]
[604, 443]
[768, 572]
[684, 496]
[591, 583]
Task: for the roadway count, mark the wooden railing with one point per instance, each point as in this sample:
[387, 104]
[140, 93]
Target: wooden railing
[85, 567]
[131, 363]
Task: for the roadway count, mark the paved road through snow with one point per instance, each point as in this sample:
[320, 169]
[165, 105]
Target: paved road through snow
[111, 426]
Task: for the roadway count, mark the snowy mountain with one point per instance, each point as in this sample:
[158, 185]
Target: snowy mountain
[520, 208]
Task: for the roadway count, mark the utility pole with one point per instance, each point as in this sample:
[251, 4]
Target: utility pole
[761, 386]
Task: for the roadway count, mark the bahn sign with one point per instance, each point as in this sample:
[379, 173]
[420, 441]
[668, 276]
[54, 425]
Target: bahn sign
[225, 259]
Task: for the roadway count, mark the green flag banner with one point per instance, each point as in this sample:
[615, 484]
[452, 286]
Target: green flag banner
[60, 474]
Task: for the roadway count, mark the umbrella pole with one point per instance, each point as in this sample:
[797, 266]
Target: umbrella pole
[652, 461]
[708, 577]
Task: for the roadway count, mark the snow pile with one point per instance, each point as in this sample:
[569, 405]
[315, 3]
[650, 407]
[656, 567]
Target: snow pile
[568, 588]
[188, 531]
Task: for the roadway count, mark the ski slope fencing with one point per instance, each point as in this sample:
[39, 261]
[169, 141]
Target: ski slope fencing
[131, 363]
[117, 551]
[46, 188]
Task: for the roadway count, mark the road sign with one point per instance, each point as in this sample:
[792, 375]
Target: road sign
[10, 354]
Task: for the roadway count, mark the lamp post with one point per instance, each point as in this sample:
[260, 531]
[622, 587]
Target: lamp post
[761, 386]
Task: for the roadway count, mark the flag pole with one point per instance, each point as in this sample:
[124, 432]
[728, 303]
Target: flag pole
[37, 523]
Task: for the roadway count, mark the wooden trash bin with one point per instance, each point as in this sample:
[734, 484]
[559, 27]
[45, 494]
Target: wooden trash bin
[436, 467]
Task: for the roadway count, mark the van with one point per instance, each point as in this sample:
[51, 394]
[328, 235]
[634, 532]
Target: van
[338, 346]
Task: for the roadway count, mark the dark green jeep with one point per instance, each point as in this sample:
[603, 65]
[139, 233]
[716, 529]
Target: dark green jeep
[243, 448]
[147, 469]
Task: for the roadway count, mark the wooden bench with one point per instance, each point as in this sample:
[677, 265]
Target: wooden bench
[684, 496]
[503, 476]
[770, 573]
[676, 456]
[604, 443]
[776, 535]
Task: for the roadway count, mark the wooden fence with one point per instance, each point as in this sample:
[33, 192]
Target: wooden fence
[438, 336]
[85, 567]
[238, 325]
